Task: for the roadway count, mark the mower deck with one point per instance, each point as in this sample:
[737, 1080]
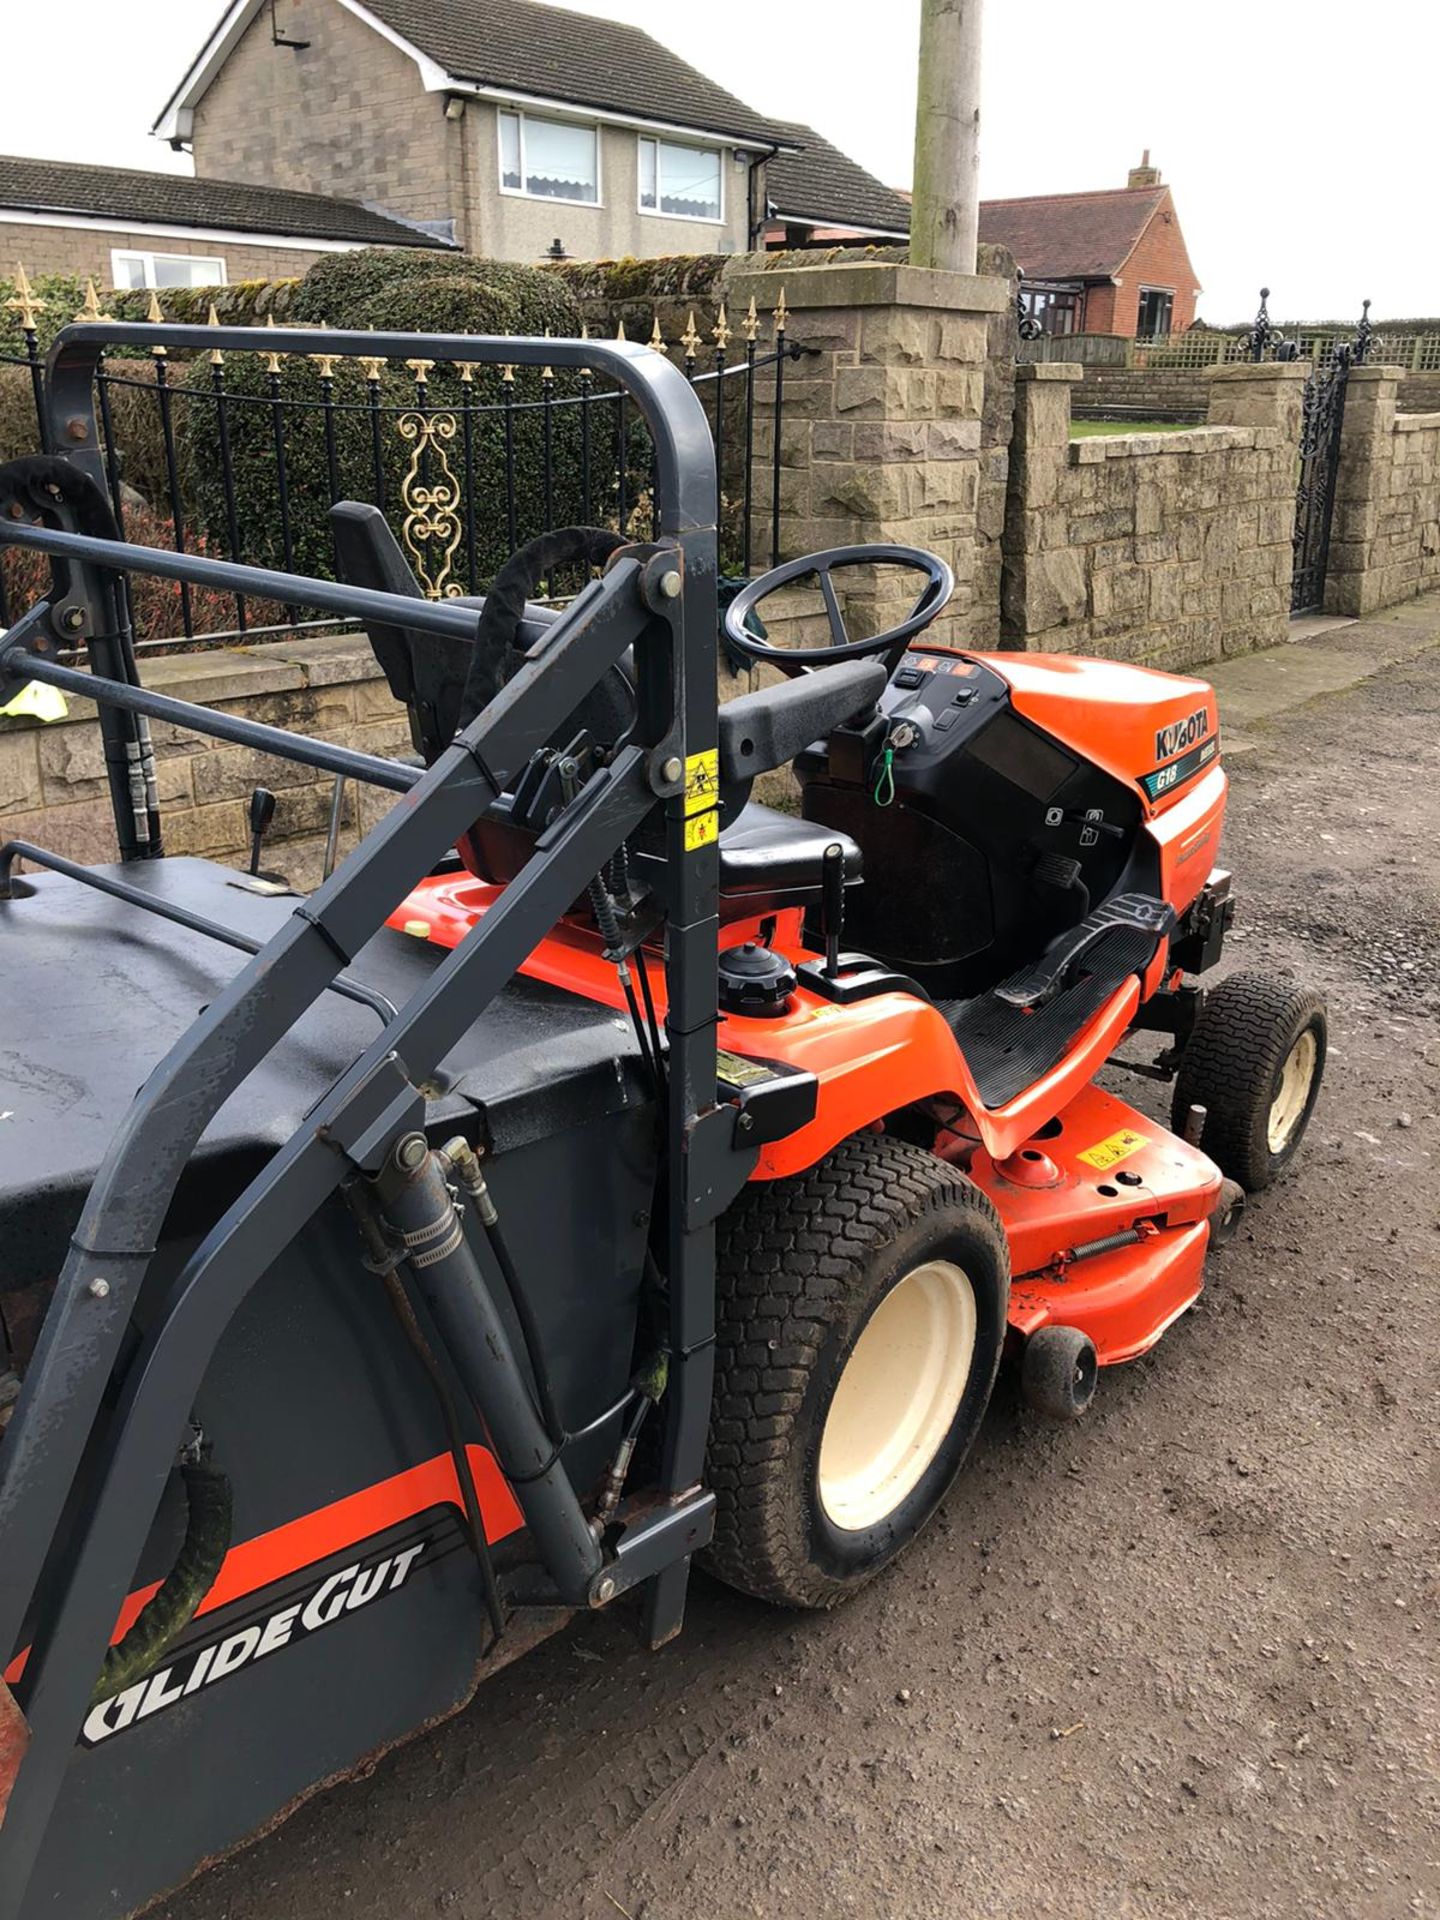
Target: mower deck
[1098, 1174]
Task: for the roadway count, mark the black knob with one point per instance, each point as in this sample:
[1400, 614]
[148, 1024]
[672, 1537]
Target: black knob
[755, 981]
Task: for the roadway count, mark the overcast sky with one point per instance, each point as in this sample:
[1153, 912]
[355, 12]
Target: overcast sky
[1299, 142]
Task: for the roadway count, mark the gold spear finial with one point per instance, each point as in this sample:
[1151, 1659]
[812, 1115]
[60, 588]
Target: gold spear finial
[690, 339]
[373, 366]
[720, 332]
[657, 339]
[90, 308]
[212, 319]
[325, 362]
[750, 325]
[272, 359]
[547, 373]
[782, 313]
[24, 303]
[156, 318]
[421, 370]
[620, 331]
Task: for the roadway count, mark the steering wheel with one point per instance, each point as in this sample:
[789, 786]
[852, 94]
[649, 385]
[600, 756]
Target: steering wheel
[932, 600]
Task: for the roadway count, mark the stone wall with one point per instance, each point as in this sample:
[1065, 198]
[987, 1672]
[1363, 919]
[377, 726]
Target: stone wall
[881, 425]
[52, 777]
[1182, 393]
[1173, 549]
[1385, 537]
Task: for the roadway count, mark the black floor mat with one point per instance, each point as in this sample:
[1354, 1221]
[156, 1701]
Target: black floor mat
[1007, 1049]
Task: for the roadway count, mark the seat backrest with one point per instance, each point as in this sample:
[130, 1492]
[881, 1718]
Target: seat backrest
[425, 671]
[443, 683]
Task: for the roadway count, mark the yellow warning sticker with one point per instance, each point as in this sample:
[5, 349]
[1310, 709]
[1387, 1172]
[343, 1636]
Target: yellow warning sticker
[1119, 1146]
[701, 829]
[702, 781]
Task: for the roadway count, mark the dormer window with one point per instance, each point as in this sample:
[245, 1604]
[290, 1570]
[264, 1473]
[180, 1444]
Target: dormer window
[549, 159]
[685, 182]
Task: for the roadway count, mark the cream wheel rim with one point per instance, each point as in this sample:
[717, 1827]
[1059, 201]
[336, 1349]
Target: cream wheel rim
[898, 1395]
[1293, 1094]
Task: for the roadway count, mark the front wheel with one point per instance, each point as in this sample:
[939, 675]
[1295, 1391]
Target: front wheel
[861, 1315]
[1254, 1063]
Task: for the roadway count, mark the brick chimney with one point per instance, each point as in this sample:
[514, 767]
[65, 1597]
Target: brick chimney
[1144, 175]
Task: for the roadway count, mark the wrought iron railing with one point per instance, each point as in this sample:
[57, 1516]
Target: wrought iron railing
[240, 455]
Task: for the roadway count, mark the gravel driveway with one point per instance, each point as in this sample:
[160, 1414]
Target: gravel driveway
[1180, 1659]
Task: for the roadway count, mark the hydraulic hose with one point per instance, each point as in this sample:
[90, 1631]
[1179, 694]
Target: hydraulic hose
[172, 1608]
[414, 1200]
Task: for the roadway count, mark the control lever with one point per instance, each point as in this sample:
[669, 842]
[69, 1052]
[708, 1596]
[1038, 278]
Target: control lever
[832, 905]
[262, 812]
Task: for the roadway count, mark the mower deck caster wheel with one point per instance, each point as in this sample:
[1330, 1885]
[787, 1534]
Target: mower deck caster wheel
[1058, 1371]
[1229, 1211]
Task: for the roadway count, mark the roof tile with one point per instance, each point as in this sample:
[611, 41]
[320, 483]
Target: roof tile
[580, 58]
[175, 199]
[1071, 236]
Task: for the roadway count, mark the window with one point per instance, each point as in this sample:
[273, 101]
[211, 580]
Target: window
[166, 270]
[1157, 304]
[549, 159]
[1058, 308]
[684, 181]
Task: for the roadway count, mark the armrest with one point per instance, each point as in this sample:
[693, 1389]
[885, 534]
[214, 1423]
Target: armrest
[763, 730]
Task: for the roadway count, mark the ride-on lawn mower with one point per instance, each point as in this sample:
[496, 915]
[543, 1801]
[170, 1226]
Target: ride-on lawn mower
[600, 1170]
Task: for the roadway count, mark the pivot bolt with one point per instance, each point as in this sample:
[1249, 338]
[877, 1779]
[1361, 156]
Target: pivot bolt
[72, 619]
[673, 768]
[98, 1288]
[411, 1152]
[605, 1591]
[670, 584]
[77, 429]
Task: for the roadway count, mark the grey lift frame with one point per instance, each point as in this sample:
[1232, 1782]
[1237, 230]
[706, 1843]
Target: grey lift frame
[73, 1596]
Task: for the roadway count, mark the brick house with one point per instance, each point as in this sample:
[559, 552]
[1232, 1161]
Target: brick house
[1108, 262]
[123, 227]
[503, 125]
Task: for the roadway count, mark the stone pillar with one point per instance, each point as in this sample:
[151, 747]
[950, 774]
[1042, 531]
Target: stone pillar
[1040, 587]
[1355, 581]
[1268, 395]
[880, 423]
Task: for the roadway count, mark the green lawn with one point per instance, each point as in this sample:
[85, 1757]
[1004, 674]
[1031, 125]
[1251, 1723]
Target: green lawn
[1083, 429]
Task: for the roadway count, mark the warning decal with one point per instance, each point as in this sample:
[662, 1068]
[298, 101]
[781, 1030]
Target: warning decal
[1118, 1147]
[701, 830]
[702, 781]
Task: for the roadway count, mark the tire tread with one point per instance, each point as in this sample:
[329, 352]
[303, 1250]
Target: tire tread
[789, 1255]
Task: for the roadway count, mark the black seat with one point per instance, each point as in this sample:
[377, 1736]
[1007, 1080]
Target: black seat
[768, 859]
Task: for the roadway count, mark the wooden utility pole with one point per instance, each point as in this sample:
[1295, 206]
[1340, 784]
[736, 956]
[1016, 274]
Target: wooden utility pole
[945, 213]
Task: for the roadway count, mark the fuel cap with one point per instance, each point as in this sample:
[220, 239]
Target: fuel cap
[755, 981]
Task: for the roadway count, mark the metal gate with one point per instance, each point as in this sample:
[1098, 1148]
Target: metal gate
[1321, 420]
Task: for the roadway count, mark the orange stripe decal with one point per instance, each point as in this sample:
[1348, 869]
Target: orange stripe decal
[300, 1543]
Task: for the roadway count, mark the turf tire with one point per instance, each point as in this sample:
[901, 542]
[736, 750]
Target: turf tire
[1232, 1066]
[802, 1265]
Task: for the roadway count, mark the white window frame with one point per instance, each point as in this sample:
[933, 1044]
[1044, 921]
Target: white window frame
[694, 146]
[148, 256]
[1165, 293]
[555, 120]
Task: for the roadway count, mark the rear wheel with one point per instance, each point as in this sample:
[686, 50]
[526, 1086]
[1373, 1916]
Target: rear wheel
[861, 1311]
[1254, 1062]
